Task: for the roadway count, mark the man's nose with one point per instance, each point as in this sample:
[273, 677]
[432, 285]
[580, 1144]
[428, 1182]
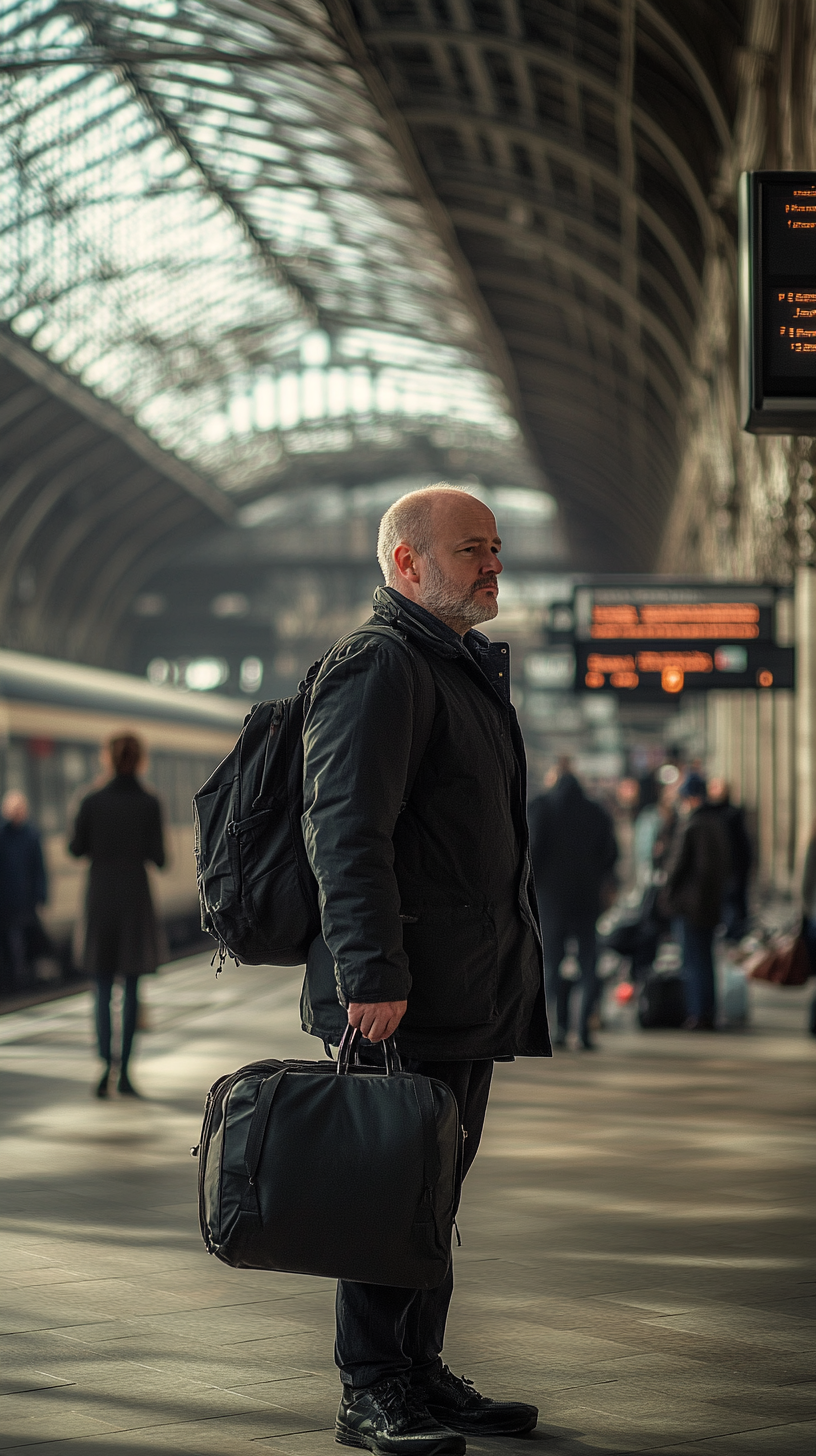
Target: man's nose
[491, 563]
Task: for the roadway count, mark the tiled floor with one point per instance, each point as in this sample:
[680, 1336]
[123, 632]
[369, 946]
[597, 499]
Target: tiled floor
[637, 1260]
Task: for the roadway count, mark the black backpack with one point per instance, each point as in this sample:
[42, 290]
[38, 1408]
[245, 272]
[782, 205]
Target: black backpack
[255, 884]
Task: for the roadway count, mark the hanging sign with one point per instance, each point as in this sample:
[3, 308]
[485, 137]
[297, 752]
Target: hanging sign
[777, 286]
[660, 639]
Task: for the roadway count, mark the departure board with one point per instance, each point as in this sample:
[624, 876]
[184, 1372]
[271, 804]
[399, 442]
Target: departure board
[778, 302]
[660, 638]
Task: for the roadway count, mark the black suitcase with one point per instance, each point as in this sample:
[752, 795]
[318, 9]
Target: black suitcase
[662, 1001]
[343, 1170]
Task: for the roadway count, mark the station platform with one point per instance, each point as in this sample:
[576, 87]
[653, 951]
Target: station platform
[637, 1243]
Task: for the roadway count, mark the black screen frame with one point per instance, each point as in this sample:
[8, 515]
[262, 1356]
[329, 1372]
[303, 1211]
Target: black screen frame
[770, 404]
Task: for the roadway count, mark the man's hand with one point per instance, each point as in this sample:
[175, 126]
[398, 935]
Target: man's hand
[376, 1019]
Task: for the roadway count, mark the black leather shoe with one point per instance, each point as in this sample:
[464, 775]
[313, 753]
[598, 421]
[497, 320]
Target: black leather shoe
[387, 1417]
[125, 1087]
[101, 1088]
[457, 1402]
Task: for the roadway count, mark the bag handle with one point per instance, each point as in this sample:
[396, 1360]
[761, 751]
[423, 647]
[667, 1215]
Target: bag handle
[349, 1049]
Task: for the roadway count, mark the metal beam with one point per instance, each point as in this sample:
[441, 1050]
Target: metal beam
[107, 417]
[496, 353]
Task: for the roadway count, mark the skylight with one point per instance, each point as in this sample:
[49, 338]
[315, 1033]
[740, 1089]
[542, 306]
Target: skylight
[203, 220]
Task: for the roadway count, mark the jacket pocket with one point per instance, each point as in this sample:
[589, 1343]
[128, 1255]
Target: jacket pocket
[453, 957]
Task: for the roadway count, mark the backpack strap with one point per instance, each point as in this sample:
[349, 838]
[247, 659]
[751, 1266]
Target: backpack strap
[423, 720]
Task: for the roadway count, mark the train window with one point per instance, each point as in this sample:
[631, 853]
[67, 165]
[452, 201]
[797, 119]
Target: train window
[13, 768]
[56, 776]
[175, 779]
[161, 776]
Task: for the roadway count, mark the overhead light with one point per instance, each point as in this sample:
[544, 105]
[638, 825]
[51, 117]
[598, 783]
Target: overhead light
[251, 674]
[205, 673]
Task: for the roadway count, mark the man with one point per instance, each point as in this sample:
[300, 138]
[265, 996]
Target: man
[695, 883]
[428, 910]
[574, 852]
[23, 888]
[735, 896]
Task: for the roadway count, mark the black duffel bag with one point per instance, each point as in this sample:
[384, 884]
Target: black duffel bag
[662, 1001]
[345, 1170]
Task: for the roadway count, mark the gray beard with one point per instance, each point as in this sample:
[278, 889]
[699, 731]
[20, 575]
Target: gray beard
[444, 600]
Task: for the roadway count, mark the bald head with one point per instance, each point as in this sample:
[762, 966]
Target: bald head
[410, 520]
[439, 547]
[14, 807]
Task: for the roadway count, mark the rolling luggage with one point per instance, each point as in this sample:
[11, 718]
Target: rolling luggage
[662, 1001]
[338, 1169]
[734, 996]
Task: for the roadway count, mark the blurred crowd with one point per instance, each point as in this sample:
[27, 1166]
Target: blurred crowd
[674, 856]
[671, 852]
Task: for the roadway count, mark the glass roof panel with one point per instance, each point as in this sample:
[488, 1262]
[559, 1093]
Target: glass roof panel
[191, 189]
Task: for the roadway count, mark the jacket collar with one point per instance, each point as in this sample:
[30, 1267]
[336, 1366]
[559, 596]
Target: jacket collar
[427, 631]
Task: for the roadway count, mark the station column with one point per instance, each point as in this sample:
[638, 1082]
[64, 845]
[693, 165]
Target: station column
[805, 631]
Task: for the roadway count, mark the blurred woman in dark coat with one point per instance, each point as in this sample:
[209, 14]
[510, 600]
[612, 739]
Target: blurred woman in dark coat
[119, 828]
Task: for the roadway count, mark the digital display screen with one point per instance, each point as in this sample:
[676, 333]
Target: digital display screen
[664, 638]
[789, 288]
[660, 622]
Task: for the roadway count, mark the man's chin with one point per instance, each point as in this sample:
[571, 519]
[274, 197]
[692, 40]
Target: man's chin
[485, 608]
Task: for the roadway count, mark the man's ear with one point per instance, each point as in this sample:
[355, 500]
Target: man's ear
[405, 563]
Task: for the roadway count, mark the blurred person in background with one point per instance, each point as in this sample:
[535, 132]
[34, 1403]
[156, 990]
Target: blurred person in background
[654, 828]
[23, 888]
[696, 877]
[574, 852]
[119, 828]
[735, 898]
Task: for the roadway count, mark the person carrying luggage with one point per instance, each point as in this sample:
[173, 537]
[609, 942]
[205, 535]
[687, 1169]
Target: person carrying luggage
[429, 923]
[693, 895]
[735, 895]
[119, 827]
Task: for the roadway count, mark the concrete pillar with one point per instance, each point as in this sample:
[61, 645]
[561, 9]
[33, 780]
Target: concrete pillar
[733, 771]
[717, 734]
[784, 788]
[750, 764]
[805, 636]
[766, 796]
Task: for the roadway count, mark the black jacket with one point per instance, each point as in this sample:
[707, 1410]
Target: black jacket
[574, 850]
[699, 871]
[732, 818]
[118, 828]
[23, 883]
[429, 900]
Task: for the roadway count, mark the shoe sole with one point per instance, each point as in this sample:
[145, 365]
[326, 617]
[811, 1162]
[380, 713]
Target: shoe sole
[477, 1429]
[344, 1437]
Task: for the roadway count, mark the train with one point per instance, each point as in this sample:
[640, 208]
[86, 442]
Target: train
[54, 718]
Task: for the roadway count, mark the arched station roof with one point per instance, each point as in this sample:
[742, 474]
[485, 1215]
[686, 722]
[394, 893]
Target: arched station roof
[258, 246]
[575, 146]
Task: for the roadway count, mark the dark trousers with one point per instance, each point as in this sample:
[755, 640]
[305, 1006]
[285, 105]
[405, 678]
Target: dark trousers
[383, 1331]
[15, 965]
[556, 930]
[130, 1011]
[735, 914]
[698, 971]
